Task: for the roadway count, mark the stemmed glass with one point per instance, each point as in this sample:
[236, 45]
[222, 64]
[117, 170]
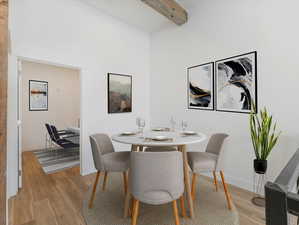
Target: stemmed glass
[138, 122]
[184, 125]
[172, 123]
[141, 124]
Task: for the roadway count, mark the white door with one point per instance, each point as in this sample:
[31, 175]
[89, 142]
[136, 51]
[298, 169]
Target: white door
[19, 122]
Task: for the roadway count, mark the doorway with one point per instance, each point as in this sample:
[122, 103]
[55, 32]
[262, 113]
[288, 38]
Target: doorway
[49, 94]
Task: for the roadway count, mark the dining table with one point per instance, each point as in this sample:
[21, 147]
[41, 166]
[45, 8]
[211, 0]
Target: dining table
[155, 138]
[75, 138]
[75, 130]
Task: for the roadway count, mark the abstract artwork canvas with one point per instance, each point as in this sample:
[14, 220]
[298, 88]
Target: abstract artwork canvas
[201, 86]
[119, 93]
[38, 95]
[236, 83]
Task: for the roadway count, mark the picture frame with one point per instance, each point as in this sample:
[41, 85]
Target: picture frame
[38, 95]
[200, 90]
[236, 83]
[119, 93]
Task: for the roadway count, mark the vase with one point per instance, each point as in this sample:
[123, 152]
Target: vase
[260, 166]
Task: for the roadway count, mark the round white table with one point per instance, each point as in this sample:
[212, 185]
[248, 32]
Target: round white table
[175, 139]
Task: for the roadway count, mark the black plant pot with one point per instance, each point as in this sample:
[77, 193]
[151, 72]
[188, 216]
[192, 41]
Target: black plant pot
[260, 166]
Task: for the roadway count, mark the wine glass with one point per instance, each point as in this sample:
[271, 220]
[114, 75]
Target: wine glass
[172, 123]
[184, 125]
[142, 124]
[138, 123]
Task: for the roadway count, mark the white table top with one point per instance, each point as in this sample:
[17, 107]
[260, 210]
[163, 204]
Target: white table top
[74, 129]
[177, 138]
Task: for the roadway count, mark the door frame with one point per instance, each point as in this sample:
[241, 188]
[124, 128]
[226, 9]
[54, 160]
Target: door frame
[21, 59]
[4, 44]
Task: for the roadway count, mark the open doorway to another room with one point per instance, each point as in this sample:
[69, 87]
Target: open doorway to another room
[49, 116]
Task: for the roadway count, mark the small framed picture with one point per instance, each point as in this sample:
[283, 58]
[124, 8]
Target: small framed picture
[201, 86]
[38, 95]
[236, 83]
[119, 93]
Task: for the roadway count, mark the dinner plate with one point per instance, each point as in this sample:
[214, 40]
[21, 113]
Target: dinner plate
[189, 132]
[160, 129]
[128, 133]
[160, 138]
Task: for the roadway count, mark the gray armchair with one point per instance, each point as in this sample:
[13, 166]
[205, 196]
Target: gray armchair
[158, 184]
[208, 161]
[107, 160]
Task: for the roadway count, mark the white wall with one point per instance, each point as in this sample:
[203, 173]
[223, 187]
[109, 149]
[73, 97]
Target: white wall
[220, 29]
[71, 33]
[63, 102]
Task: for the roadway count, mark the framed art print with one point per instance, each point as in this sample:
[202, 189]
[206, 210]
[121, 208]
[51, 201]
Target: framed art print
[201, 86]
[119, 93]
[38, 95]
[236, 83]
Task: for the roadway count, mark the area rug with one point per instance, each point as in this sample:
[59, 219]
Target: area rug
[54, 160]
[210, 207]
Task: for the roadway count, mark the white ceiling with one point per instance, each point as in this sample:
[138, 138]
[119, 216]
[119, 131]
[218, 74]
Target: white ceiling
[136, 13]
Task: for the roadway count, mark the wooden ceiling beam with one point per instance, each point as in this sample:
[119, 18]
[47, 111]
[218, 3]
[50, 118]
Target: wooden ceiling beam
[170, 9]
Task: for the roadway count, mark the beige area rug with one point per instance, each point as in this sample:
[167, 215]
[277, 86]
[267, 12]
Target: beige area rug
[210, 207]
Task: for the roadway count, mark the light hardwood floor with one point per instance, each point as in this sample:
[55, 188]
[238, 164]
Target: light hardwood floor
[56, 199]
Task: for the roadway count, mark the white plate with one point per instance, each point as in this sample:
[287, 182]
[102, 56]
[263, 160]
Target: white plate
[159, 129]
[189, 132]
[128, 133]
[160, 138]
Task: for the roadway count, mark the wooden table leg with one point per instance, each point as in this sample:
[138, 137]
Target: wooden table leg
[141, 148]
[183, 149]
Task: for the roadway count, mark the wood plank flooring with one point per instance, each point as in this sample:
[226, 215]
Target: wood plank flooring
[55, 199]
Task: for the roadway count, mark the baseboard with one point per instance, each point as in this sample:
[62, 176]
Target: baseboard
[85, 173]
[241, 183]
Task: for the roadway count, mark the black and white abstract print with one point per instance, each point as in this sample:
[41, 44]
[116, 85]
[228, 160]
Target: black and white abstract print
[200, 86]
[236, 83]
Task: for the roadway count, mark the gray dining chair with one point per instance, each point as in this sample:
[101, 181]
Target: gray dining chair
[208, 161]
[156, 178]
[107, 160]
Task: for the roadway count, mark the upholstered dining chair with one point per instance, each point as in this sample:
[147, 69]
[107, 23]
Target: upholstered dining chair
[208, 161]
[156, 178]
[107, 160]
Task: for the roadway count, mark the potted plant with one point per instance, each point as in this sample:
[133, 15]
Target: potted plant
[264, 137]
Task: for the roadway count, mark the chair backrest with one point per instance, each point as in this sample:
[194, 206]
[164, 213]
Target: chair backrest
[50, 132]
[215, 143]
[156, 177]
[100, 144]
[55, 133]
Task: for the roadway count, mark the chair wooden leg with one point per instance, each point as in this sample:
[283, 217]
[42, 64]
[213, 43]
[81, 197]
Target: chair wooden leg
[135, 211]
[175, 212]
[215, 180]
[227, 194]
[94, 190]
[127, 205]
[125, 177]
[105, 181]
[193, 190]
[182, 202]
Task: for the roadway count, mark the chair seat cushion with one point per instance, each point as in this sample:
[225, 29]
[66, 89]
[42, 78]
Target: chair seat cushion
[158, 197]
[202, 161]
[116, 161]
